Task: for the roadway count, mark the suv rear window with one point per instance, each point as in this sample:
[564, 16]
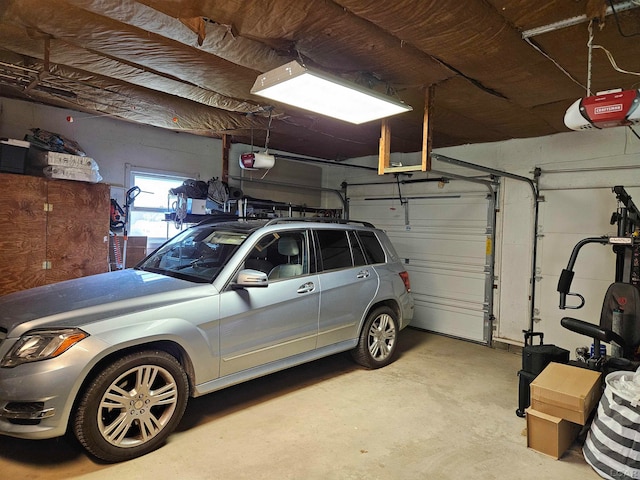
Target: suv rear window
[372, 247]
[346, 248]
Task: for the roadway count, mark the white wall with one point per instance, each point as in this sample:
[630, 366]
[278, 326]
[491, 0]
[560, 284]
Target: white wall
[114, 143]
[288, 181]
[578, 171]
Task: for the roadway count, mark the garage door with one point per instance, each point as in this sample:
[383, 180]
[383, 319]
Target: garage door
[446, 243]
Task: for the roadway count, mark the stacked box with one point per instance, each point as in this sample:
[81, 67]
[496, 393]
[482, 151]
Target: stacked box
[65, 166]
[567, 392]
[548, 434]
[562, 399]
[61, 159]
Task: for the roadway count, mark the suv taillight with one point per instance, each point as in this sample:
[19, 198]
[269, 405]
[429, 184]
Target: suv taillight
[405, 279]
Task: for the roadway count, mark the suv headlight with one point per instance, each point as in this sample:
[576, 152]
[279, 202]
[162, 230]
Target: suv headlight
[41, 345]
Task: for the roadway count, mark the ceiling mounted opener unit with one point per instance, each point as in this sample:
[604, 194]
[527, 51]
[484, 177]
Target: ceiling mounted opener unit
[256, 161]
[612, 108]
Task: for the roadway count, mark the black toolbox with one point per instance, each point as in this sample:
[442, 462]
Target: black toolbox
[535, 358]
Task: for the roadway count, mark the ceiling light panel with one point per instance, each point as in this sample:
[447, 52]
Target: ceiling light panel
[294, 84]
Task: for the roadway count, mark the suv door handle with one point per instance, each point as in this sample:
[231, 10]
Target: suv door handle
[306, 288]
[363, 274]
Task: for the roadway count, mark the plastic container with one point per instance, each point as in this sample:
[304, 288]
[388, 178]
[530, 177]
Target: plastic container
[603, 350]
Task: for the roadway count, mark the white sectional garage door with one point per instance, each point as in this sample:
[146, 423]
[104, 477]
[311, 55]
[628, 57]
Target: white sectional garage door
[445, 241]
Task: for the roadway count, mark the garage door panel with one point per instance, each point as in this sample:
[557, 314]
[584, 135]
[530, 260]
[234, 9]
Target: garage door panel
[444, 243]
[455, 286]
[454, 250]
[449, 320]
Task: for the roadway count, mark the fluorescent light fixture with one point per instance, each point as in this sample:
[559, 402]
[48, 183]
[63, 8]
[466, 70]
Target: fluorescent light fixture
[322, 93]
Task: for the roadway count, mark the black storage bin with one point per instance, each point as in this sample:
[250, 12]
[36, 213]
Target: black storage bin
[13, 156]
[536, 357]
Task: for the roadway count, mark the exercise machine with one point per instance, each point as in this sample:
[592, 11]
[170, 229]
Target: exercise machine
[619, 323]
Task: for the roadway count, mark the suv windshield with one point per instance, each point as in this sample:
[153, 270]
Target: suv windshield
[197, 254]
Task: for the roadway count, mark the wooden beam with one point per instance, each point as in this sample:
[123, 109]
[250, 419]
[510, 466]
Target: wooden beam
[427, 141]
[47, 53]
[384, 156]
[226, 146]
[404, 168]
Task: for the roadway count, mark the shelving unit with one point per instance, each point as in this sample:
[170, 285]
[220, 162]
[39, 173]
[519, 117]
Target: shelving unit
[51, 230]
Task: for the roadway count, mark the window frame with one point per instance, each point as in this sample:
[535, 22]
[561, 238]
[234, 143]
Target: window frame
[131, 172]
[319, 257]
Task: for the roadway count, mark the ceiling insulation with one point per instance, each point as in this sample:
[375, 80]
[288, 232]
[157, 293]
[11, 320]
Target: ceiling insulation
[189, 65]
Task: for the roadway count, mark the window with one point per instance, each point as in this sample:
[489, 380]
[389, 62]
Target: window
[334, 249]
[358, 255]
[372, 247]
[280, 255]
[147, 214]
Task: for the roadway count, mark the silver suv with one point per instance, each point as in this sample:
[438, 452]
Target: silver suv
[114, 357]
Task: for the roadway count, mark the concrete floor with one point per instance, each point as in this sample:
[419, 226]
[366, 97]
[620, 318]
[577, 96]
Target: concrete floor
[445, 409]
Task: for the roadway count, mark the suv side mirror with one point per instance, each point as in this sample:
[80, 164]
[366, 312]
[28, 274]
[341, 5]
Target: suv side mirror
[251, 278]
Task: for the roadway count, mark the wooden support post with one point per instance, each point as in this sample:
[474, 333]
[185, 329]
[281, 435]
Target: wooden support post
[427, 142]
[384, 158]
[226, 145]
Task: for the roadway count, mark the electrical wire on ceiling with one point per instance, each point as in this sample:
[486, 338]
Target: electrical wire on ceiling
[615, 16]
[548, 57]
[592, 46]
[528, 34]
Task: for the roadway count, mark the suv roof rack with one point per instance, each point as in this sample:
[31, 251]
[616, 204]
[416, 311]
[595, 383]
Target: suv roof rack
[342, 221]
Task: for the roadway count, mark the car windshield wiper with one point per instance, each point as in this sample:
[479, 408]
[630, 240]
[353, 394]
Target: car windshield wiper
[151, 269]
[198, 262]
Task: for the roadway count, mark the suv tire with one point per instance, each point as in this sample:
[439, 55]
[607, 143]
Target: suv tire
[131, 407]
[378, 337]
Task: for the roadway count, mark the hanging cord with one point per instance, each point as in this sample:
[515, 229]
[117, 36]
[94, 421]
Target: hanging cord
[591, 46]
[589, 56]
[615, 16]
[266, 141]
[251, 139]
[402, 200]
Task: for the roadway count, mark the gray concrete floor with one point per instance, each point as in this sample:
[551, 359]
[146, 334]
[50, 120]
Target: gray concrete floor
[445, 409]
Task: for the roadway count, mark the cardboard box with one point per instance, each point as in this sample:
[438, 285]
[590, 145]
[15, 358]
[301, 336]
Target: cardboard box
[196, 206]
[549, 434]
[136, 241]
[136, 250]
[567, 392]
